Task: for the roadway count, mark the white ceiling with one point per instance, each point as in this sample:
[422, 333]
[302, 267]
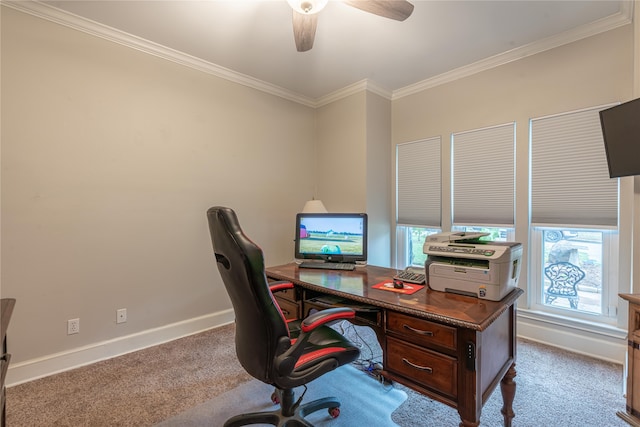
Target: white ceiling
[255, 38]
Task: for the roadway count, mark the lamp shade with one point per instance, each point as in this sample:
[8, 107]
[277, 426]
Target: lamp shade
[314, 206]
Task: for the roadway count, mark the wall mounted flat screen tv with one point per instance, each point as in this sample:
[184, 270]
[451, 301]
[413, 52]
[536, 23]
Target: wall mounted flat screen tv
[621, 133]
[334, 237]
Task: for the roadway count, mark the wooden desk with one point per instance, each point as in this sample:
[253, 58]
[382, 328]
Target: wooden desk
[452, 348]
[632, 415]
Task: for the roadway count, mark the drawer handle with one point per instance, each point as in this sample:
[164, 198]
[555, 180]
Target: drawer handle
[413, 365]
[418, 331]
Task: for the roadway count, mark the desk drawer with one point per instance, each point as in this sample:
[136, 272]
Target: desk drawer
[289, 309]
[291, 294]
[425, 367]
[421, 331]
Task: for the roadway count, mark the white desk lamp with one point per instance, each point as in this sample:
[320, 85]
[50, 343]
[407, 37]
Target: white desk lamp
[314, 206]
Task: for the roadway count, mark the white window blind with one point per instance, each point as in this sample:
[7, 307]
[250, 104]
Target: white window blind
[570, 181]
[418, 181]
[484, 176]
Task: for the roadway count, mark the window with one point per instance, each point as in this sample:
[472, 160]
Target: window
[484, 176]
[484, 181]
[495, 234]
[574, 218]
[418, 180]
[571, 272]
[418, 198]
[410, 242]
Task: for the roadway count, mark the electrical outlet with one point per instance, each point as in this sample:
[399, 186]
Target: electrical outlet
[73, 326]
[121, 315]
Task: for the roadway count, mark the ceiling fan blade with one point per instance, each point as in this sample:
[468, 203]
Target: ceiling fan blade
[393, 9]
[304, 30]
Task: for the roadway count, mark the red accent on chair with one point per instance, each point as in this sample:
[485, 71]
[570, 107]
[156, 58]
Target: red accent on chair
[279, 286]
[309, 326]
[306, 358]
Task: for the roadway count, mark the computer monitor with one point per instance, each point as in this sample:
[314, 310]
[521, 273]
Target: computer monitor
[621, 134]
[335, 237]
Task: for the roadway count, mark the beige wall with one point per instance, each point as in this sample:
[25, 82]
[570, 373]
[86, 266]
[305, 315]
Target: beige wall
[353, 172]
[378, 179]
[110, 158]
[1, 9]
[591, 72]
[340, 154]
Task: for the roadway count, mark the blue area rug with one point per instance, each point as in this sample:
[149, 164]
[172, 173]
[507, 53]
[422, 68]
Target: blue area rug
[364, 401]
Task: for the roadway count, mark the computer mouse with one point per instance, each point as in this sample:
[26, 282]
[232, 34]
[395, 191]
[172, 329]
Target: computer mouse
[398, 284]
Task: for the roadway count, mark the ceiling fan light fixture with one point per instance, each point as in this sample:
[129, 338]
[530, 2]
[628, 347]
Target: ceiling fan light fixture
[307, 7]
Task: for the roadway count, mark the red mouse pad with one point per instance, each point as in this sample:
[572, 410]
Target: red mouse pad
[407, 289]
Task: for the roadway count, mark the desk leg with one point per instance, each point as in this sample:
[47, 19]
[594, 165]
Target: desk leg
[508, 389]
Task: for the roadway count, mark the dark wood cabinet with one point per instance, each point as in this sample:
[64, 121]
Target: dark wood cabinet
[6, 309]
[632, 415]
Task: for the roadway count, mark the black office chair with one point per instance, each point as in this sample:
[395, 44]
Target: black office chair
[270, 350]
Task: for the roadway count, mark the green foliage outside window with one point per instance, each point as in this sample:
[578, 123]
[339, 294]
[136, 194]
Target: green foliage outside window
[418, 236]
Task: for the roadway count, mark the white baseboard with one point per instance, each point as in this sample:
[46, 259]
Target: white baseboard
[54, 363]
[608, 344]
[610, 347]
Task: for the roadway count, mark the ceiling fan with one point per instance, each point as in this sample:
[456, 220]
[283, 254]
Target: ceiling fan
[305, 18]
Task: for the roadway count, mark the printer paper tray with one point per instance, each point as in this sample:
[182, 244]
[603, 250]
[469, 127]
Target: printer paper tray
[455, 271]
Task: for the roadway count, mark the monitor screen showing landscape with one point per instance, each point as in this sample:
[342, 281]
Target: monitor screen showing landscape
[338, 237]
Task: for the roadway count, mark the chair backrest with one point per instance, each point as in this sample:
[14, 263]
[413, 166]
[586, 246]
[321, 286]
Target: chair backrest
[564, 277]
[260, 326]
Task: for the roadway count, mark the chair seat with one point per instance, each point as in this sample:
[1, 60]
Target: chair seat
[326, 343]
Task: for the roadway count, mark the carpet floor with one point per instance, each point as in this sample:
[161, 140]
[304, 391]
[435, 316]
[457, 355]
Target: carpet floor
[554, 388]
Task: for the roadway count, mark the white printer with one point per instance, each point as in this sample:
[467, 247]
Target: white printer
[459, 262]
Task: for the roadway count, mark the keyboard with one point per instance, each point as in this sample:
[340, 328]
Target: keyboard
[411, 277]
[328, 265]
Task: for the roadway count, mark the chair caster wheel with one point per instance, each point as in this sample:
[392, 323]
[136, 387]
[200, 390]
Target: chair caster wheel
[275, 398]
[334, 412]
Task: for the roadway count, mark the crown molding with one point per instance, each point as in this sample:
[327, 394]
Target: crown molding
[50, 13]
[619, 19]
[88, 26]
[362, 85]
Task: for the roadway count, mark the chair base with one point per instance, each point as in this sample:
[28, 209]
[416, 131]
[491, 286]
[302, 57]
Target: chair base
[277, 418]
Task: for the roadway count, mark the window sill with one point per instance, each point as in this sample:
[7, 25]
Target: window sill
[609, 331]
